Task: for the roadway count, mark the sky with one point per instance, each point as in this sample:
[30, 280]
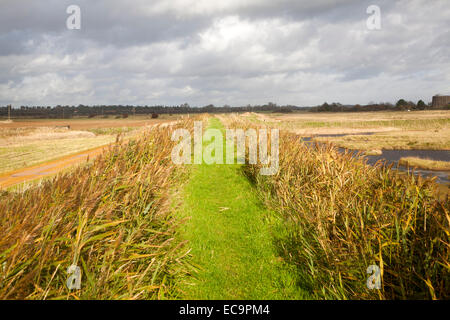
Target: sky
[234, 52]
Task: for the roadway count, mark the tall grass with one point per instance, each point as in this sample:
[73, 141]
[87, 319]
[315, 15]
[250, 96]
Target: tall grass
[427, 164]
[342, 215]
[110, 218]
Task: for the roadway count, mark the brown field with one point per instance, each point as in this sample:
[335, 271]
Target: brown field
[86, 124]
[358, 116]
[29, 144]
[390, 130]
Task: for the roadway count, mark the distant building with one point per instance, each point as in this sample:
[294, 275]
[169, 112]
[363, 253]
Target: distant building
[440, 101]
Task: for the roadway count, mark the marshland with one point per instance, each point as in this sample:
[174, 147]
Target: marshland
[141, 227]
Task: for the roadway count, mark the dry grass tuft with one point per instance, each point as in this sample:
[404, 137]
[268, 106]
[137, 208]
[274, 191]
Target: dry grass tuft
[425, 163]
[342, 215]
[111, 218]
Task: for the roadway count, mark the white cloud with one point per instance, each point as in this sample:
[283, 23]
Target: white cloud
[46, 86]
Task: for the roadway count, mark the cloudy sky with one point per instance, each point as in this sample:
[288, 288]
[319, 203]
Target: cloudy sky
[235, 52]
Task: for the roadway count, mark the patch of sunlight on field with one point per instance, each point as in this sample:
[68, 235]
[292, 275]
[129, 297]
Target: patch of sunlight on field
[26, 154]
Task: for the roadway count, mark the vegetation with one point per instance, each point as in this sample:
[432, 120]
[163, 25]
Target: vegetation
[374, 152]
[342, 215]
[421, 105]
[425, 164]
[112, 131]
[67, 112]
[418, 124]
[404, 140]
[401, 105]
[110, 218]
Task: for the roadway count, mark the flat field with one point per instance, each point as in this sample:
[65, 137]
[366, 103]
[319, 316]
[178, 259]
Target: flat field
[28, 142]
[425, 130]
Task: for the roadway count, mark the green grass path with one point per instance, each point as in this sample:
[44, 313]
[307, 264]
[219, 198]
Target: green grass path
[229, 232]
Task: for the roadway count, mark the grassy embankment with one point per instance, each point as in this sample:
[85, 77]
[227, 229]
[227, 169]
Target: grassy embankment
[111, 218]
[231, 236]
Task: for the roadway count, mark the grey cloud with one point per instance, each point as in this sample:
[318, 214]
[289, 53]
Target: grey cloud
[234, 52]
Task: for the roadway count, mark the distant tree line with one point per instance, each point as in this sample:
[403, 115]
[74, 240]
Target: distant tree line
[401, 105]
[123, 111]
[65, 112]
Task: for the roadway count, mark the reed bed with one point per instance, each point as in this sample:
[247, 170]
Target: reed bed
[111, 218]
[342, 215]
[427, 164]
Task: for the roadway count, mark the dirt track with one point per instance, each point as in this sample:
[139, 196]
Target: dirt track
[49, 168]
[52, 167]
